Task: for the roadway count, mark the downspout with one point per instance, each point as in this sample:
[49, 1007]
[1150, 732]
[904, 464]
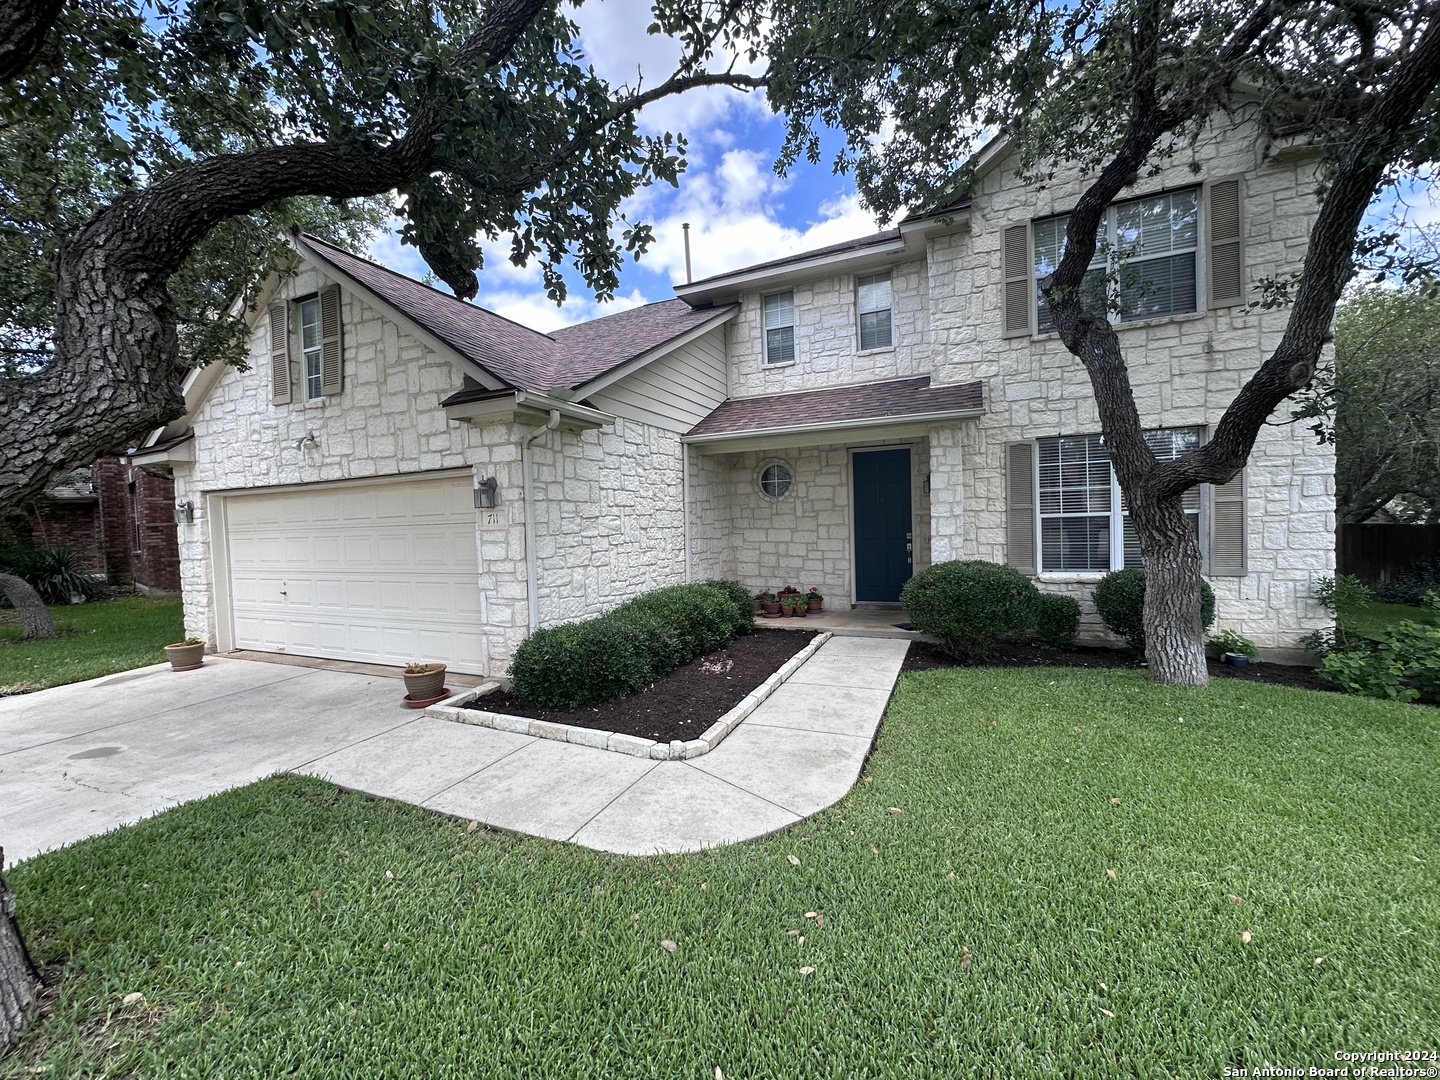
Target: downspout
[685, 506]
[532, 568]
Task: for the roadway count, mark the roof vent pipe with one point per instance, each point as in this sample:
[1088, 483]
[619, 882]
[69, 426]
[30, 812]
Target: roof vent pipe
[686, 227]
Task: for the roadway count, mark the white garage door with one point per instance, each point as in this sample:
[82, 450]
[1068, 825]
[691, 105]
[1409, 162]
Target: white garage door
[383, 573]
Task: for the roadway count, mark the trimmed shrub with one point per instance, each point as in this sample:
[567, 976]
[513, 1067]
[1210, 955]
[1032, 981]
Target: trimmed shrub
[1120, 601]
[1057, 621]
[601, 659]
[51, 572]
[970, 604]
[1410, 587]
[702, 618]
[740, 599]
[584, 663]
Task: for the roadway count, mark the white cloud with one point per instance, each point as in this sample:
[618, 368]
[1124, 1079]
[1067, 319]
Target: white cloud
[612, 33]
[733, 213]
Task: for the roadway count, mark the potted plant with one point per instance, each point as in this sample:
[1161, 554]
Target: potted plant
[186, 655]
[1234, 648]
[761, 599]
[814, 601]
[770, 604]
[795, 604]
[424, 683]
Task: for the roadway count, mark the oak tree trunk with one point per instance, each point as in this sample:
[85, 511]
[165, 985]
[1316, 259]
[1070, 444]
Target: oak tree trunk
[19, 981]
[1174, 643]
[35, 621]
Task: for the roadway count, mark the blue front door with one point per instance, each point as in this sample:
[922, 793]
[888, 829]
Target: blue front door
[883, 540]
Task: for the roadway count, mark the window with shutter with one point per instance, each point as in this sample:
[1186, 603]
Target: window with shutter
[1016, 315]
[1227, 263]
[279, 354]
[1020, 506]
[1084, 523]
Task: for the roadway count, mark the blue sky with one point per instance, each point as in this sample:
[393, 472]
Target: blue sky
[739, 211]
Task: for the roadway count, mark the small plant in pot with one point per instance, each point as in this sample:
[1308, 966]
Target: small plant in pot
[424, 683]
[769, 604]
[814, 601]
[798, 605]
[186, 655]
[1234, 648]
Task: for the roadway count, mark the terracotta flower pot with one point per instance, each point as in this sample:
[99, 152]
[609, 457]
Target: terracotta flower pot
[421, 685]
[815, 606]
[185, 657]
[772, 611]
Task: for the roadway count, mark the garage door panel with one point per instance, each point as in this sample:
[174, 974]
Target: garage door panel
[383, 573]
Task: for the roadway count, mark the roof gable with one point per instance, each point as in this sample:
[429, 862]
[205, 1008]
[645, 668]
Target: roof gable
[519, 357]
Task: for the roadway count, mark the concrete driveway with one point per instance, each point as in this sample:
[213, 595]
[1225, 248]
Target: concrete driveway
[82, 759]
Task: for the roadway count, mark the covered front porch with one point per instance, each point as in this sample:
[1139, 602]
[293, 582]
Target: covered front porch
[826, 489]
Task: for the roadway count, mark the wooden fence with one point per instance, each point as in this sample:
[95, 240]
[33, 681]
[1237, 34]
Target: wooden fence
[1379, 553]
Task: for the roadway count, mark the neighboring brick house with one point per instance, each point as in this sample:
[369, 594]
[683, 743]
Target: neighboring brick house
[837, 419]
[119, 519]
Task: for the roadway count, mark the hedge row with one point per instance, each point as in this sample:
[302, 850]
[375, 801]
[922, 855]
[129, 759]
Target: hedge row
[601, 659]
[971, 605]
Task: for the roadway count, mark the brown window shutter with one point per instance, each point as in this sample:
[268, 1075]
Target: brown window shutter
[1020, 506]
[1226, 274]
[1227, 528]
[279, 354]
[1018, 292]
[331, 353]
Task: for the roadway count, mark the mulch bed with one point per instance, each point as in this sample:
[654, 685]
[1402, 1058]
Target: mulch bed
[926, 657]
[683, 703]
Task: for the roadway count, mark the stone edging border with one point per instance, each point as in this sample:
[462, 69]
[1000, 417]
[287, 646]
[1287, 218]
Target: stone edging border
[633, 745]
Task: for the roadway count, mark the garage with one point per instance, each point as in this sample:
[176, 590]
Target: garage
[380, 572]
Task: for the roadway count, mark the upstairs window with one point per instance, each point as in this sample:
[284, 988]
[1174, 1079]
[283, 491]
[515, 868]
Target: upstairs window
[1150, 247]
[310, 347]
[780, 328]
[873, 306]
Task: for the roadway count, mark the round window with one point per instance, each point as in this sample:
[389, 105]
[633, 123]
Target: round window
[775, 480]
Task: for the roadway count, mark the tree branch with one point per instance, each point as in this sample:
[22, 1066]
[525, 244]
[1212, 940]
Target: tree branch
[24, 25]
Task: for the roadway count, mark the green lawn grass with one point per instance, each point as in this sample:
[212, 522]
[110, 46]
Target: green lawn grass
[1044, 872]
[96, 639]
[1373, 618]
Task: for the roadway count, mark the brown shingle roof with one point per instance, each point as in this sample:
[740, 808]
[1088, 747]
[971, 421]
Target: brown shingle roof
[511, 352]
[523, 358]
[590, 349]
[841, 404]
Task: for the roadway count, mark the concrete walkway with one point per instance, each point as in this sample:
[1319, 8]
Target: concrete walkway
[82, 759]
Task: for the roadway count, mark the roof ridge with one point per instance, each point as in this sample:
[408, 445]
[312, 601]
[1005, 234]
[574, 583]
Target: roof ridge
[308, 238]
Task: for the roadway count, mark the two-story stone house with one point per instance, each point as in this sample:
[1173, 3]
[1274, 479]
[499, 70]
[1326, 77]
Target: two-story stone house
[400, 474]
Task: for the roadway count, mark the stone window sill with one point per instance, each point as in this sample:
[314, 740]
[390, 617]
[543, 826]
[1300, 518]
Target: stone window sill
[777, 367]
[1052, 577]
[875, 352]
[316, 403]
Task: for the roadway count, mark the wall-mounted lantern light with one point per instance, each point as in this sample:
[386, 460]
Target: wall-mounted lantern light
[185, 513]
[487, 495]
